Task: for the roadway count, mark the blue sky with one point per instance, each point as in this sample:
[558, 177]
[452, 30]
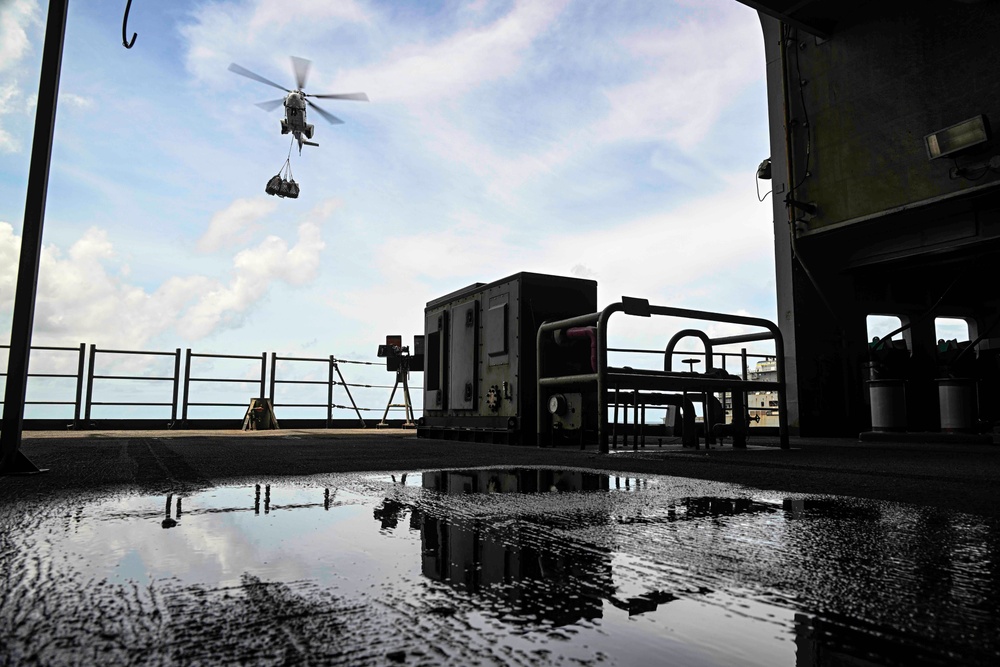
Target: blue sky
[613, 142]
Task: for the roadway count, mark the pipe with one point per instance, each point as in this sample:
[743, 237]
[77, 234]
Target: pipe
[668, 361]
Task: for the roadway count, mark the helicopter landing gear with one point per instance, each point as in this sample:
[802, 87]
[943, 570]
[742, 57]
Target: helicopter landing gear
[284, 127]
[308, 131]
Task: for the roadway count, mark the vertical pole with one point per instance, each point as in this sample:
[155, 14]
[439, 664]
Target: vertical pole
[187, 387]
[635, 418]
[642, 427]
[274, 364]
[329, 396]
[263, 376]
[625, 408]
[90, 383]
[11, 458]
[177, 386]
[707, 417]
[746, 400]
[79, 385]
[740, 425]
[614, 424]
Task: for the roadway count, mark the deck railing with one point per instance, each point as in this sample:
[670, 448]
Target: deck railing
[102, 373]
[78, 376]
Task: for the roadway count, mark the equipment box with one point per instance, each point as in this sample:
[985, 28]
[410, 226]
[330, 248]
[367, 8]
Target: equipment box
[479, 363]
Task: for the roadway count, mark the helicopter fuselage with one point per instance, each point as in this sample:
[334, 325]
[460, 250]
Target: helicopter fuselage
[295, 101]
[295, 116]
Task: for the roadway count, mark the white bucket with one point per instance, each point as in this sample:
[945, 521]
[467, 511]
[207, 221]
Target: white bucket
[957, 403]
[888, 398]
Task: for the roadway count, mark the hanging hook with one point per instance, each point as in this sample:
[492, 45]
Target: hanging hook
[125, 42]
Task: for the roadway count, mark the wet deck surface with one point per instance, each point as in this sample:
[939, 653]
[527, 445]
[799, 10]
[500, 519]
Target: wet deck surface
[224, 549]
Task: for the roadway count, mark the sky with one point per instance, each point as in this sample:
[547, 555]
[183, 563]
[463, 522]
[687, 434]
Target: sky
[612, 141]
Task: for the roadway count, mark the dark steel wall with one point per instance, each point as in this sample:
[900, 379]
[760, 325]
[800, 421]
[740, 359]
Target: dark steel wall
[892, 232]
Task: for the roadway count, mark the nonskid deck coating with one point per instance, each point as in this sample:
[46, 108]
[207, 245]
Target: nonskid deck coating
[525, 566]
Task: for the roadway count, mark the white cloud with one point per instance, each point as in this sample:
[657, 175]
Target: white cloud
[268, 15]
[15, 18]
[76, 101]
[222, 31]
[708, 254]
[677, 82]
[697, 69]
[430, 73]
[254, 269]
[679, 247]
[9, 249]
[84, 296]
[9, 92]
[7, 142]
[230, 226]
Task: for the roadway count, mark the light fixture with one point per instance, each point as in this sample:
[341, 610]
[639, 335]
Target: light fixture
[958, 137]
[764, 170]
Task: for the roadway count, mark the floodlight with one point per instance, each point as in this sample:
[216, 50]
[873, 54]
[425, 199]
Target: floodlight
[958, 137]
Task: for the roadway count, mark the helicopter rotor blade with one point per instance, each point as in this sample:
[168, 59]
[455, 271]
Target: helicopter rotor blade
[271, 105]
[357, 97]
[330, 118]
[301, 68]
[233, 67]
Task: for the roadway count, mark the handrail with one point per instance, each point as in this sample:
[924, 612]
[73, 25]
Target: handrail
[602, 318]
[91, 370]
[188, 379]
[92, 375]
[78, 402]
[332, 365]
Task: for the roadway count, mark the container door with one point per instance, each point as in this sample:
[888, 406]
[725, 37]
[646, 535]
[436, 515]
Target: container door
[435, 361]
[463, 360]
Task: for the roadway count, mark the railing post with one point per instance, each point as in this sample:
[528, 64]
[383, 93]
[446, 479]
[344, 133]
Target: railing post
[187, 386]
[177, 383]
[329, 395]
[274, 363]
[263, 377]
[746, 395]
[90, 383]
[79, 386]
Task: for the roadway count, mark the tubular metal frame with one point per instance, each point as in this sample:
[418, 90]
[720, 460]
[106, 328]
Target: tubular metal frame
[607, 378]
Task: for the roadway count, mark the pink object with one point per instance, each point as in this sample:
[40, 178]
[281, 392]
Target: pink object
[586, 332]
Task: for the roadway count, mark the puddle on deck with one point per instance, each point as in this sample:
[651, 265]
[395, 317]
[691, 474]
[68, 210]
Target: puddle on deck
[496, 566]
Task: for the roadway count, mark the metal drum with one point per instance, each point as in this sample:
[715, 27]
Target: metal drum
[957, 403]
[888, 398]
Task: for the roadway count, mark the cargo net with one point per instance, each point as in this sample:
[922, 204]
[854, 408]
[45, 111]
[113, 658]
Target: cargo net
[282, 184]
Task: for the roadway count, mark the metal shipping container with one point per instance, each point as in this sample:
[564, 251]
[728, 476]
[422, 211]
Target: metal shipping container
[479, 364]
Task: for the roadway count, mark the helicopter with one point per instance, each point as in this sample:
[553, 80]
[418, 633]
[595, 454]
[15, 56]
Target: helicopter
[295, 101]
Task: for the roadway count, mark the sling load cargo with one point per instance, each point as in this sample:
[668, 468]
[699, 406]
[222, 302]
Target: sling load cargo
[282, 184]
